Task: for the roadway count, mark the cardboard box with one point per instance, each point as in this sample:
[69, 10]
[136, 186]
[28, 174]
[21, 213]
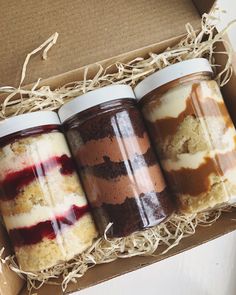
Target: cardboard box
[92, 31]
[229, 89]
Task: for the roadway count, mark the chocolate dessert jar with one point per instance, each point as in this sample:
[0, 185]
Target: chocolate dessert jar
[192, 133]
[42, 203]
[117, 165]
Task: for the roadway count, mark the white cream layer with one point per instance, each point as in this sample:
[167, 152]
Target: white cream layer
[39, 150]
[43, 213]
[215, 131]
[212, 90]
[231, 175]
[174, 101]
[192, 161]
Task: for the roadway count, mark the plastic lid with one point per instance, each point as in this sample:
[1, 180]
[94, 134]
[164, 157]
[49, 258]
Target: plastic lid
[171, 73]
[93, 98]
[30, 120]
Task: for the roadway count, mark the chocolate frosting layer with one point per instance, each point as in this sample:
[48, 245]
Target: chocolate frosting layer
[111, 170]
[116, 190]
[93, 152]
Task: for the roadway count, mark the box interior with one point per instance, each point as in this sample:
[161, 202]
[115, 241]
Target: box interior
[85, 28]
[89, 31]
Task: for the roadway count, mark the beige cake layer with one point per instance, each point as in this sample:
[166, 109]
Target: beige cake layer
[45, 191]
[73, 240]
[219, 193]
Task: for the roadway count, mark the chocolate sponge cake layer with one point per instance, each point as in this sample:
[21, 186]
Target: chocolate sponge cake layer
[134, 213]
[114, 123]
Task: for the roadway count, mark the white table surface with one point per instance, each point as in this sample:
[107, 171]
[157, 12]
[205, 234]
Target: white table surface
[209, 269]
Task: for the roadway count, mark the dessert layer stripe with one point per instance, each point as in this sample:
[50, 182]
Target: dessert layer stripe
[14, 181]
[134, 212]
[47, 229]
[47, 253]
[116, 148]
[194, 160]
[40, 213]
[28, 151]
[195, 101]
[198, 179]
[115, 191]
[111, 170]
[168, 126]
[120, 124]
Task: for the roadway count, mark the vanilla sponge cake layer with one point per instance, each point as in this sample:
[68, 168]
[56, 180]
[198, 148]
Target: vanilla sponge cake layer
[71, 241]
[40, 213]
[31, 150]
[44, 191]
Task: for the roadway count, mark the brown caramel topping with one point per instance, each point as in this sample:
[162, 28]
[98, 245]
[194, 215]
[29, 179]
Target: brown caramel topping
[196, 181]
[196, 105]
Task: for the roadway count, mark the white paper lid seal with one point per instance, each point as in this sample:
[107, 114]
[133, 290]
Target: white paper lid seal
[26, 121]
[171, 73]
[93, 98]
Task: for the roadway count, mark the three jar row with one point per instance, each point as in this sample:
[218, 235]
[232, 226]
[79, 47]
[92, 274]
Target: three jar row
[42, 199]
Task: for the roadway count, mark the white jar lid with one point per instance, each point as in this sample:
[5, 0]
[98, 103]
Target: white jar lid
[26, 121]
[93, 98]
[171, 73]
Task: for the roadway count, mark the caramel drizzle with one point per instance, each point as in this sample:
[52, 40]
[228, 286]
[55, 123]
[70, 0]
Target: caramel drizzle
[196, 181]
[195, 106]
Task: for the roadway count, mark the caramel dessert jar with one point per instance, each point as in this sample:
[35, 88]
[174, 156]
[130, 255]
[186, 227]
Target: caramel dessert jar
[42, 203]
[193, 134]
[118, 167]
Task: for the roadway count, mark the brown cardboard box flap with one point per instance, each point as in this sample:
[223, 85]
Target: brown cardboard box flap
[89, 31]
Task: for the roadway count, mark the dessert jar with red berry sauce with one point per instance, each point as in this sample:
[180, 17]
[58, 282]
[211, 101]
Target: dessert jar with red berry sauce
[118, 167]
[42, 203]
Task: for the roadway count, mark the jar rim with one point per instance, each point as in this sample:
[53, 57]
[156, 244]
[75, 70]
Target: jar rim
[172, 73]
[94, 98]
[25, 121]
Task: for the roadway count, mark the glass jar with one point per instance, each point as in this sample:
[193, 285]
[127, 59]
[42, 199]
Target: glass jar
[192, 133]
[42, 203]
[117, 165]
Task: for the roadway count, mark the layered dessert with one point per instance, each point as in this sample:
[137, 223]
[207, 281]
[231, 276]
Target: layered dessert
[195, 139]
[119, 170]
[42, 202]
